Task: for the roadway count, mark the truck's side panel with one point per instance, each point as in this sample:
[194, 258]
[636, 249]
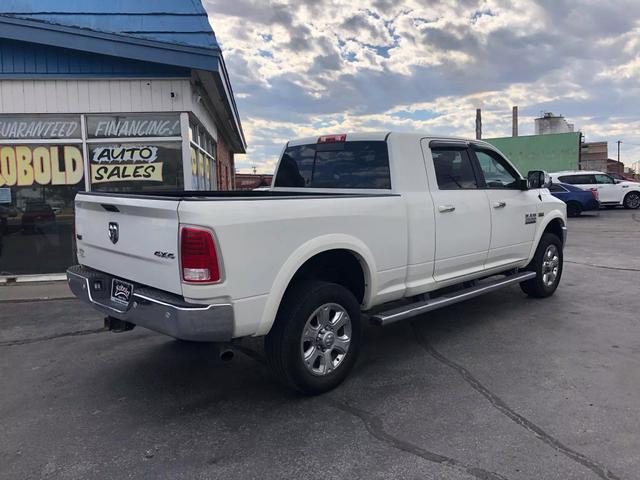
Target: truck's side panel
[258, 238]
[406, 156]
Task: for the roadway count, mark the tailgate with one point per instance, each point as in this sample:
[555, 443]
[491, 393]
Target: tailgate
[132, 238]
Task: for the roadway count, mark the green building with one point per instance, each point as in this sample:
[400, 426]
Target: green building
[552, 153]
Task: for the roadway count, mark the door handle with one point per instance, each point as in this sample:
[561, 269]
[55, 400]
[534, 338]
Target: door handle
[446, 208]
[499, 204]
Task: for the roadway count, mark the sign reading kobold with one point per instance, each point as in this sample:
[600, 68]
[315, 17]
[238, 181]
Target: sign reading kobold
[25, 165]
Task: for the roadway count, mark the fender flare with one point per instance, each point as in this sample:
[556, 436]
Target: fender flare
[548, 218]
[300, 256]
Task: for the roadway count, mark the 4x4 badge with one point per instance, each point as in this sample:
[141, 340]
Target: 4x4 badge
[114, 232]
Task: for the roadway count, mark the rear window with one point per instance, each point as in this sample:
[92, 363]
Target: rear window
[362, 165]
[578, 179]
[557, 188]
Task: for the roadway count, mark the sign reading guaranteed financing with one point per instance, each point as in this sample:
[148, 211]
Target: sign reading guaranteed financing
[133, 125]
[18, 127]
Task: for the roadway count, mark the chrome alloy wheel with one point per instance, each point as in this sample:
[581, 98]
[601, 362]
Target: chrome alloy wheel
[550, 265]
[325, 339]
[633, 201]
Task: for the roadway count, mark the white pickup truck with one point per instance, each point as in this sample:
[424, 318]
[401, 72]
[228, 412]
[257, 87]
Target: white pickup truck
[384, 226]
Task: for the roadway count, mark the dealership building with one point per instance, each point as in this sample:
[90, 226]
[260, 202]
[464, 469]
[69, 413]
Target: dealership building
[122, 96]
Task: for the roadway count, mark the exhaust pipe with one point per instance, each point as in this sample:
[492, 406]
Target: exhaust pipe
[226, 354]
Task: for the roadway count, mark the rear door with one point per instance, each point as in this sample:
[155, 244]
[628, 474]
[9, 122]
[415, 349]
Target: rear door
[514, 212]
[135, 238]
[462, 218]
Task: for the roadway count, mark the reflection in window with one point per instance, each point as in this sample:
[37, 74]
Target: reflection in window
[361, 165]
[128, 167]
[37, 207]
[453, 169]
[496, 172]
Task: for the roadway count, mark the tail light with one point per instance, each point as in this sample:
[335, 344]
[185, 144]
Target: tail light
[332, 138]
[198, 256]
[595, 194]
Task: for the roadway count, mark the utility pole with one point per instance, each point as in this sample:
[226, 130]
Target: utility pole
[619, 142]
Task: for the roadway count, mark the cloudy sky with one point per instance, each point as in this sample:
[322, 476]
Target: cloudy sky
[308, 67]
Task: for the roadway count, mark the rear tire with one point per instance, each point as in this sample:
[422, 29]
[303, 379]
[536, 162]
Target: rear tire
[316, 337]
[632, 200]
[547, 263]
[574, 209]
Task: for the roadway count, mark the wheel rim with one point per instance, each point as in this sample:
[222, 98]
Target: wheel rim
[633, 200]
[550, 266]
[325, 339]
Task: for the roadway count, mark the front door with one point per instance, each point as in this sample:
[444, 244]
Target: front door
[462, 218]
[514, 212]
[608, 190]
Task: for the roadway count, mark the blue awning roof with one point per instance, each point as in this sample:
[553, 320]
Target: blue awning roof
[180, 22]
[166, 32]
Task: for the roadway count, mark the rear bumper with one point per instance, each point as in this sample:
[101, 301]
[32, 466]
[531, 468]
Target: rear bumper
[154, 309]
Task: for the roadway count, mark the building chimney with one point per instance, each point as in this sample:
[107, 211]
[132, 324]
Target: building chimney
[478, 124]
[514, 122]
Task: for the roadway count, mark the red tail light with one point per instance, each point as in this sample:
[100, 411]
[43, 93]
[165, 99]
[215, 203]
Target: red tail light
[332, 138]
[595, 194]
[198, 257]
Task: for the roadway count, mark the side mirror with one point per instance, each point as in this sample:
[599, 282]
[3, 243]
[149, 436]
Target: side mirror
[523, 184]
[539, 179]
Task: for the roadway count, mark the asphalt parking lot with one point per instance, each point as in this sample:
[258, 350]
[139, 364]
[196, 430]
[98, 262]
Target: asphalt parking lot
[500, 387]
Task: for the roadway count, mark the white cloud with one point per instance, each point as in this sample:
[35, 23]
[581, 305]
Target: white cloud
[310, 67]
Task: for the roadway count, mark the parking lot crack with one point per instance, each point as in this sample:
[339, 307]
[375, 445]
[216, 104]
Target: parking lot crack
[499, 404]
[606, 267]
[375, 427]
[25, 341]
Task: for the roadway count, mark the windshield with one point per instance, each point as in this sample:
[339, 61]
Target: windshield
[362, 165]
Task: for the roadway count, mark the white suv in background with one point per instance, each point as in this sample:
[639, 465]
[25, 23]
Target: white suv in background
[611, 192]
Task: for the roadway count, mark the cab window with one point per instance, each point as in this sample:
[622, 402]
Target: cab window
[454, 170]
[497, 172]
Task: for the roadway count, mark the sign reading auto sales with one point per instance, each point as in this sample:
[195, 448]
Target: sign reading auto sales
[26, 165]
[125, 163]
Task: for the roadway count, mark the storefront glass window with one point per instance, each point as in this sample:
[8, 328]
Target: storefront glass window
[136, 167]
[38, 184]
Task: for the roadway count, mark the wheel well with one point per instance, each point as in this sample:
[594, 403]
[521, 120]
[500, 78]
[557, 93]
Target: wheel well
[555, 227]
[337, 266]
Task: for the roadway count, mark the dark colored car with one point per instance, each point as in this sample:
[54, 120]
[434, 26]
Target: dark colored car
[37, 214]
[577, 199]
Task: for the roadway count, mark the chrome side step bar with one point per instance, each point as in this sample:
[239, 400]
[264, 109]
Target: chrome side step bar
[414, 309]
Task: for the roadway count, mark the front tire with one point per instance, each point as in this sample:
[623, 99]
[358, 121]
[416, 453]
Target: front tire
[316, 337]
[547, 263]
[632, 201]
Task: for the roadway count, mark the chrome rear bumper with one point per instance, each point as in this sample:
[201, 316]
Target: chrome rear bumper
[154, 309]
